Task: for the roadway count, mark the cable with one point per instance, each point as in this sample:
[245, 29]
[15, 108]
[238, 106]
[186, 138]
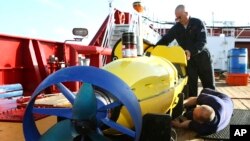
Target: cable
[147, 18]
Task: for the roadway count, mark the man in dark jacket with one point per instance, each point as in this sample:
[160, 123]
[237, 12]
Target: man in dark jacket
[190, 33]
[212, 113]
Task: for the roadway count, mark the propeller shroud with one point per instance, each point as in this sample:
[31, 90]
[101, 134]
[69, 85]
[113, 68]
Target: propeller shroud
[89, 110]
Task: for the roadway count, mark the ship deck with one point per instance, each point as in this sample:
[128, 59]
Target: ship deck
[240, 95]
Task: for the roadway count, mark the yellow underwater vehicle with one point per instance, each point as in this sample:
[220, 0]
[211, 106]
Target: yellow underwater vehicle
[112, 99]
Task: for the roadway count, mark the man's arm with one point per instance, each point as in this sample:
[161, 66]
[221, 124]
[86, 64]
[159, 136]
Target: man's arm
[180, 124]
[201, 38]
[167, 38]
[191, 101]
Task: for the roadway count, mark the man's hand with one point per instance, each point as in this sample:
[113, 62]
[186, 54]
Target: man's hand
[191, 101]
[188, 54]
[178, 123]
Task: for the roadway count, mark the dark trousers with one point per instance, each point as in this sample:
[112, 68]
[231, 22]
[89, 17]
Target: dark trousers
[200, 66]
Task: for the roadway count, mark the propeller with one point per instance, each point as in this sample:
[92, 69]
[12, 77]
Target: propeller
[83, 120]
[88, 114]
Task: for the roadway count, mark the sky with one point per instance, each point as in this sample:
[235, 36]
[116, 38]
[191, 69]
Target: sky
[54, 19]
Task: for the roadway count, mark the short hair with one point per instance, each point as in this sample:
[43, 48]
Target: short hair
[180, 7]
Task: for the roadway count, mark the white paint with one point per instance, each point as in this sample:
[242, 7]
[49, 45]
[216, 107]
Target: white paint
[219, 47]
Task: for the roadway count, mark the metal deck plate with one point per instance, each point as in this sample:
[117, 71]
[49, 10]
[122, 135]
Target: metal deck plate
[240, 117]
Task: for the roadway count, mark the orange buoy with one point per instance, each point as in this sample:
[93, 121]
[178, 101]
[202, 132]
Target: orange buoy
[138, 7]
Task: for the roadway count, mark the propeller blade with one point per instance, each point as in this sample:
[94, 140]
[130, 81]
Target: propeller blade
[84, 107]
[62, 131]
[94, 136]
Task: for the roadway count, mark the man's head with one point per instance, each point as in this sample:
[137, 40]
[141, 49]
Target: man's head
[181, 15]
[203, 114]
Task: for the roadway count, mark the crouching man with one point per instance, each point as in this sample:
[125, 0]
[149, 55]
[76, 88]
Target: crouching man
[211, 112]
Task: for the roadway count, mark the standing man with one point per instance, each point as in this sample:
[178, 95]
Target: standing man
[190, 33]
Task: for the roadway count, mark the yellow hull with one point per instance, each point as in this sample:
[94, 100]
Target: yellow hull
[154, 80]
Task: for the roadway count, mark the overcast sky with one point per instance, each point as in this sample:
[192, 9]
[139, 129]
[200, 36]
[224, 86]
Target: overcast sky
[54, 19]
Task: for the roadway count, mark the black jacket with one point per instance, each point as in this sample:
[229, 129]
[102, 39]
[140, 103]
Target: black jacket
[192, 38]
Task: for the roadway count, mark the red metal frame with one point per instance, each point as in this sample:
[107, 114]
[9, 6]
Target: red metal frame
[25, 60]
[97, 39]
